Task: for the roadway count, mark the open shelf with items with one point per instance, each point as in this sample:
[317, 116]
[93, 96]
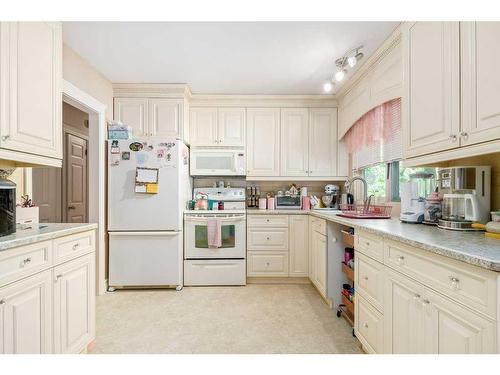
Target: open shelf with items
[346, 307]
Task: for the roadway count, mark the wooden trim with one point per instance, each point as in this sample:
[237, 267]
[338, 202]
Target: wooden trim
[278, 280]
[23, 159]
[155, 90]
[259, 101]
[296, 178]
[457, 153]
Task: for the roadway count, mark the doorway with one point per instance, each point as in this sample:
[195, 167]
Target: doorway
[62, 193]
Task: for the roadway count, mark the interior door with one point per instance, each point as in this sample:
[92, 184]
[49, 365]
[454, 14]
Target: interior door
[30, 80]
[323, 142]
[431, 104]
[480, 82]
[294, 142]
[165, 118]
[75, 179]
[47, 192]
[231, 126]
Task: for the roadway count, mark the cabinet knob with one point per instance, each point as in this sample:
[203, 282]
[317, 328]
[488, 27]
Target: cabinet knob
[25, 261]
[464, 135]
[2, 301]
[401, 259]
[268, 238]
[454, 282]
[453, 137]
[425, 302]
[365, 278]
[5, 137]
[267, 263]
[76, 246]
[365, 325]
[416, 296]
[58, 277]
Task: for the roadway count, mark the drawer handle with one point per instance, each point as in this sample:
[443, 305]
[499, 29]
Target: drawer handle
[267, 263]
[267, 220]
[401, 260]
[365, 325]
[416, 296]
[58, 277]
[365, 278]
[425, 302]
[267, 238]
[2, 301]
[454, 282]
[25, 261]
[367, 243]
[76, 246]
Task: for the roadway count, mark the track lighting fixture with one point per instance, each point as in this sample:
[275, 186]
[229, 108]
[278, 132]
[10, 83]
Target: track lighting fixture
[350, 59]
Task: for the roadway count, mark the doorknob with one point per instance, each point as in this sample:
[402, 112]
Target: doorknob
[71, 207]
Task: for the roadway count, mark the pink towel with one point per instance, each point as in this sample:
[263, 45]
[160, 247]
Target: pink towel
[214, 234]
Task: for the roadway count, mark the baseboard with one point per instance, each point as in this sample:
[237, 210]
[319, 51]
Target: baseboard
[278, 280]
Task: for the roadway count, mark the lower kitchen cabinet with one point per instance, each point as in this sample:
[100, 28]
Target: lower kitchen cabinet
[267, 263]
[299, 245]
[74, 304]
[369, 325]
[26, 315]
[318, 257]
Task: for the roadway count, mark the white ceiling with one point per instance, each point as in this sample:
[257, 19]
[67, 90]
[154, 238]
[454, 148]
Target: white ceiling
[226, 58]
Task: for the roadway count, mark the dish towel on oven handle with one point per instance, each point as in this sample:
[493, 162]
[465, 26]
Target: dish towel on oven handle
[214, 233]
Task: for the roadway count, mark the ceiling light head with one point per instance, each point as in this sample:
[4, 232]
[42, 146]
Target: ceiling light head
[359, 55]
[328, 86]
[339, 76]
[352, 60]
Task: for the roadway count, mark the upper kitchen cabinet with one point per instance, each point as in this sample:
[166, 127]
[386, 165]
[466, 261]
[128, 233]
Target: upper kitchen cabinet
[480, 82]
[263, 137]
[322, 142]
[132, 112]
[212, 126]
[431, 100]
[30, 85]
[294, 144]
[155, 117]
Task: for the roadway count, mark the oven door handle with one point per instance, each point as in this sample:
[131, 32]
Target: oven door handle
[223, 219]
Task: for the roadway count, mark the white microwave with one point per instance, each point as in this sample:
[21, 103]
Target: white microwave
[217, 162]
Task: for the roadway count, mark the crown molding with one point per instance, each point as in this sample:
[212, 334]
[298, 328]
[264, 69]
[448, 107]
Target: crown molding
[387, 47]
[227, 100]
[155, 90]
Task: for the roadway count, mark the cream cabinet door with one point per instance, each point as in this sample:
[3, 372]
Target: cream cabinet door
[319, 251]
[203, 126]
[30, 87]
[299, 246]
[26, 316]
[133, 112]
[431, 100]
[403, 315]
[453, 329]
[263, 142]
[480, 82]
[323, 142]
[165, 118]
[294, 142]
[74, 305]
[231, 127]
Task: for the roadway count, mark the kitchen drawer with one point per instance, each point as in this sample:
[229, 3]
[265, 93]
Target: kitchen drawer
[370, 245]
[369, 275]
[267, 263]
[69, 247]
[214, 272]
[369, 326]
[472, 286]
[267, 221]
[23, 261]
[267, 239]
[318, 225]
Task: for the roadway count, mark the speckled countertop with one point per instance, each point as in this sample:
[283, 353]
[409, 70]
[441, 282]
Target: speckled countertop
[469, 247]
[27, 234]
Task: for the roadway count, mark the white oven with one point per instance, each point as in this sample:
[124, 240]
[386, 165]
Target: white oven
[233, 234]
[217, 162]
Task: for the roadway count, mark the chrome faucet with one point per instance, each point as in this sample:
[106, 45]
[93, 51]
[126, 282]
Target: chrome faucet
[366, 200]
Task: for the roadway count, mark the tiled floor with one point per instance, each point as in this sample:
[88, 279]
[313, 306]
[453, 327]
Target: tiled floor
[251, 319]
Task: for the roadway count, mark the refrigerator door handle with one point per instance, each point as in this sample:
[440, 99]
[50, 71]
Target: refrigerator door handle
[149, 233]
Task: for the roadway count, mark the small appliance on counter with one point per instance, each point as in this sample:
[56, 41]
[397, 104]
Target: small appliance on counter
[413, 195]
[331, 197]
[288, 202]
[215, 240]
[433, 208]
[7, 203]
[466, 198]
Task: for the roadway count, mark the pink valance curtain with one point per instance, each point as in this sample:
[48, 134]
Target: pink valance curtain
[375, 127]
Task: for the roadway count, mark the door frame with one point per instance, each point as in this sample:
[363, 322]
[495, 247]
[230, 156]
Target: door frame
[96, 164]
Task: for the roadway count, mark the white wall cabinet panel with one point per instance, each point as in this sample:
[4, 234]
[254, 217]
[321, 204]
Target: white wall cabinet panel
[30, 87]
[203, 126]
[318, 258]
[480, 82]
[133, 112]
[323, 142]
[231, 128]
[26, 316]
[431, 104]
[74, 304]
[294, 142]
[263, 137]
[165, 118]
[299, 246]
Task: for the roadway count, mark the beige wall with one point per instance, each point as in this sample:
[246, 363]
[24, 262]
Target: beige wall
[84, 76]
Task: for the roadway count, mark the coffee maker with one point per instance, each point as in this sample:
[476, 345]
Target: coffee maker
[467, 196]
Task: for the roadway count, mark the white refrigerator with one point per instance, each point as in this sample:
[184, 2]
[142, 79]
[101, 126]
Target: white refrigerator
[148, 187]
